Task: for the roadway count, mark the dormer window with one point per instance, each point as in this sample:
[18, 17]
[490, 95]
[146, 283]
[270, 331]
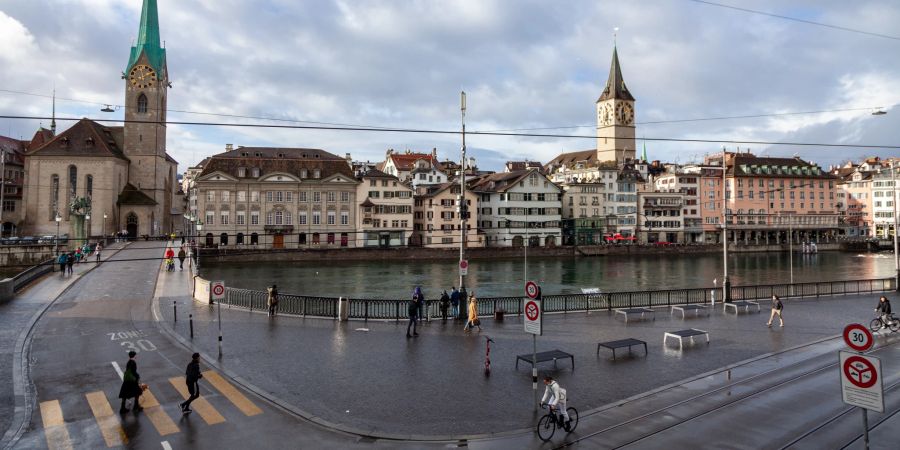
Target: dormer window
[258, 155]
[242, 172]
[303, 173]
[64, 141]
[89, 141]
[281, 155]
[254, 172]
[316, 172]
[245, 154]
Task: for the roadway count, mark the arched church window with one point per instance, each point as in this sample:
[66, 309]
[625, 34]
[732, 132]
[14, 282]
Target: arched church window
[89, 186]
[54, 196]
[73, 180]
[142, 103]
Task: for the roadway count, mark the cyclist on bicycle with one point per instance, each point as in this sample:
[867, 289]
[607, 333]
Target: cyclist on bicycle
[555, 396]
[884, 306]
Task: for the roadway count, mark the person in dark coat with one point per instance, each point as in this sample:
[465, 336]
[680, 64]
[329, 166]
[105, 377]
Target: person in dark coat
[62, 260]
[192, 377]
[454, 302]
[181, 256]
[131, 385]
[420, 300]
[413, 312]
[70, 261]
[445, 305]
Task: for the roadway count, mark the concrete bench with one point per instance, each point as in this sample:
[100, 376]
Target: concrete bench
[621, 343]
[681, 334]
[628, 311]
[695, 308]
[551, 355]
[746, 304]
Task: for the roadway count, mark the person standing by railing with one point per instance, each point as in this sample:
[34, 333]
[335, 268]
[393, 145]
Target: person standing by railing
[445, 305]
[454, 301]
[272, 300]
[412, 311]
[420, 301]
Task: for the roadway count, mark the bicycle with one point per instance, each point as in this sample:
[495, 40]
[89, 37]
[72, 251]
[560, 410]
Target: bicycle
[549, 422]
[877, 324]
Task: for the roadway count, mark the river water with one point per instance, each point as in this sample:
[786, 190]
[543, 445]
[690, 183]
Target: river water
[504, 277]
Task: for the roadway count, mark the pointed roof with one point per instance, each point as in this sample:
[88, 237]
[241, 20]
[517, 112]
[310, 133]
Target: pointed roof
[148, 40]
[615, 84]
[133, 196]
[85, 138]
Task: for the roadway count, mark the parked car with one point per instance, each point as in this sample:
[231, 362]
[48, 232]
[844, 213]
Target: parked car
[12, 240]
[28, 240]
[48, 239]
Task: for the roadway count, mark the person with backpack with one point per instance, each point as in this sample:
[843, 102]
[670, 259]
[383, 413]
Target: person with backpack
[777, 306]
[192, 378]
[70, 261]
[412, 311]
[555, 396]
[445, 305]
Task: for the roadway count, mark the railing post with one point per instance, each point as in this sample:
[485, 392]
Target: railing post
[366, 305]
[565, 304]
[304, 306]
[397, 310]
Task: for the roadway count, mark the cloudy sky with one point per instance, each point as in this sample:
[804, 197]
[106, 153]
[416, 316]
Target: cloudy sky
[524, 65]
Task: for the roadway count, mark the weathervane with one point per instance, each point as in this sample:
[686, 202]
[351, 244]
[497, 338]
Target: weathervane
[615, 33]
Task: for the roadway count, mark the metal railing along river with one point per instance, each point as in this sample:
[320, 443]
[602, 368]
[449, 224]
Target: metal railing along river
[396, 309]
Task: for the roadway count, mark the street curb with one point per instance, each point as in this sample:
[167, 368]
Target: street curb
[21, 373]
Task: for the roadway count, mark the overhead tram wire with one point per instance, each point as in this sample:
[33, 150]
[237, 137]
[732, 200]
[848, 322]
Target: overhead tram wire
[562, 127]
[454, 132]
[796, 19]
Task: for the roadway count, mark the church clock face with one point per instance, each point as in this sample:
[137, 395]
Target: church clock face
[606, 114]
[628, 112]
[142, 76]
[620, 113]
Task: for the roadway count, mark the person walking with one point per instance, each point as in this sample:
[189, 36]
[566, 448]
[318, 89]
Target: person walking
[61, 260]
[97, 250]
[70, 261]
[445, 305]
[420, 301]
[777, 306]
[192, 378]
[272, 300]
[473, 321]
[412, 310]
[454, 302]
[181, 256]
[131, 385]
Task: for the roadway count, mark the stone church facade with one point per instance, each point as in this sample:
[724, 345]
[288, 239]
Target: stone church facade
[124, 170]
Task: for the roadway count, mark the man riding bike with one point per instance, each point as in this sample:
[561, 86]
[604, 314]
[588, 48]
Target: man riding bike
[884, 306]
[555, 396]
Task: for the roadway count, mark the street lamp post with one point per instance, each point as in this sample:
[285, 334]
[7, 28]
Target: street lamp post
[197, 246]
[87, 235]
[896, 254]
[58, 220]
[463, 208]
[726, 283]
[103, 228]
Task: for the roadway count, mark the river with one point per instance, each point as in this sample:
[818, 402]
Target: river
[503, 277]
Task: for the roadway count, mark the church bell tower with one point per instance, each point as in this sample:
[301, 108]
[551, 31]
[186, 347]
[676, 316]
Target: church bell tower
[146, 84]
[615, 118]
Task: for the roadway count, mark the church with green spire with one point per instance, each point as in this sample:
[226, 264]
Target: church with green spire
[122, 172]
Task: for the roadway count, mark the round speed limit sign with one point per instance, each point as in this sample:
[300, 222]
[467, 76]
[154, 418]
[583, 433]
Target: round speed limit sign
[858, 337]
[531, 289]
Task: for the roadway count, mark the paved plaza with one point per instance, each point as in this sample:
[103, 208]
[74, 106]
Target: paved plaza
[349, 373]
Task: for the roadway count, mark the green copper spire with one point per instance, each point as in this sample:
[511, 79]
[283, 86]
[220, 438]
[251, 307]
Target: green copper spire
[148, 40]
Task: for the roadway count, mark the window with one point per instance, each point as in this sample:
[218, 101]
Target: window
[289, 196]
[254, 218]
[254, 196]
[210, 196]
[302, 196]
[254, 239]
[226, 196]
[224, 217]
[254, 172]
[270, 219]
[330, 217]
[279, 196]
[331, 196]
[317, 218]
[279, 218]
[317, 197]
[239, 239]
[242, 172]
[210, 217]
[331, 238]
[288, 218]
[54, 196]
[345, 218]
[89, 186]
[303, 173]
[345, 196]
[302, 217]
[9, 205]
[270, 196]
[142, 103]
[242, 196]
[316, 173]
[239, 220]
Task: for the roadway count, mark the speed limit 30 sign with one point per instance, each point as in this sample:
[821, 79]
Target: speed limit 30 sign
[858, 337]
[217, 290]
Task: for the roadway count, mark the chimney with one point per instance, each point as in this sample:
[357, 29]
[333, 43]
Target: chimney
[434, 153]
[347, 157]
[229, 147]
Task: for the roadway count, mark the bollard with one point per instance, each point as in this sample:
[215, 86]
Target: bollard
[191, 322]
[175, 310]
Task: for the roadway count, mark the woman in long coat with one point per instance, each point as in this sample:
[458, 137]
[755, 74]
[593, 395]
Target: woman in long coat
[473, 314]
[131, 384]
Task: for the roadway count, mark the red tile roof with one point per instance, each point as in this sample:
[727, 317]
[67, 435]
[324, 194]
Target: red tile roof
[405, 161]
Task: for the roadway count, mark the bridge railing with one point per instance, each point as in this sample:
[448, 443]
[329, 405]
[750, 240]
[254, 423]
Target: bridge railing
[396, 309]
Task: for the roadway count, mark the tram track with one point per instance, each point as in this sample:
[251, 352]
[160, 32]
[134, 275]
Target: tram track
[817, 368]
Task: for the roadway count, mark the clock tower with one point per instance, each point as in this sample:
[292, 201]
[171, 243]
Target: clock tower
[615, 118]
[146, 78]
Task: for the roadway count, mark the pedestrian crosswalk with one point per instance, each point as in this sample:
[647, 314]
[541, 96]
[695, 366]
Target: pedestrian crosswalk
[112, 427]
